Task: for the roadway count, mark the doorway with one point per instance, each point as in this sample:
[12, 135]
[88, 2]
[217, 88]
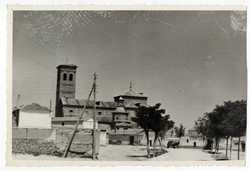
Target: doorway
[131, 140]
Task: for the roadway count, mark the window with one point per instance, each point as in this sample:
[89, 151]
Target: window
[70, 111]
[63, 124]
[70, 77]
[64, 76]
[117, 118]
[99, 113]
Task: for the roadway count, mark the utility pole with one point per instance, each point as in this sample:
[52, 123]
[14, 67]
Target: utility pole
[94, 118]
[76, 126]
[16, 110]
[17, 100]
[50, 105]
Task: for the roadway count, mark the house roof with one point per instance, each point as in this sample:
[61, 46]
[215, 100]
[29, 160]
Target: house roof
[127, 132]
[123, 124]
[134, 104]
[192, 129]
[84, 118]
[34, 106]
[81, 102]
[131, 93]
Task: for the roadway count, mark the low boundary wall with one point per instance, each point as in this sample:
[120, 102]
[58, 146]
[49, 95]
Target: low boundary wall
[52, 141]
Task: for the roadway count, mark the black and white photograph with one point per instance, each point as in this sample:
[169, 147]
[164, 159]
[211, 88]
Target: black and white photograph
[129, 85]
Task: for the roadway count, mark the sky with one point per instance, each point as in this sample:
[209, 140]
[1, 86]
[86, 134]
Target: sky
[189, 61]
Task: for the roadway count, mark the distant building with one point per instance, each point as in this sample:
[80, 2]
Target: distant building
[193, 133]
[110, 115]
[32, 115]
[85, 122]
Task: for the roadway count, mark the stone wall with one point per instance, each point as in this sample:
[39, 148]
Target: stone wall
[121, 139]
[33, 146]
[52, 141]
[81, 143]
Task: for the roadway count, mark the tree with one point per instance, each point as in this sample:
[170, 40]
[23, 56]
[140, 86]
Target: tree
[201, 127]
[144, 118]
[225, 121]
[216, 118]
[167, 126]
[180, 132]
[235, 123]
[151, 118]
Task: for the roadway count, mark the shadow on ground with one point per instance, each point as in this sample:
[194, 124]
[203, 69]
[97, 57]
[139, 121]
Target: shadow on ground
[158, 152]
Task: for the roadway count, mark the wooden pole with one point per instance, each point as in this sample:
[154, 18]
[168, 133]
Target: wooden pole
[231, 141]
[227, 149]
[17, 100]
[50, 105]
[76, 126]
[239, 149]
[16, 111]
[94, 125]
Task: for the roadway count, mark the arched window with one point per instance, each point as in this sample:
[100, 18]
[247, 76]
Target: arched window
[70, 77]
[64, 76]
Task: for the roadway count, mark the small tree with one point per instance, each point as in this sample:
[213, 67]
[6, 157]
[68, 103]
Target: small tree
[227, 120]
[180, 132]
[235, 123]
[216, 118]
[152, 118]
[167, 126]
[143, 119]
[158, 122]
[201, 127]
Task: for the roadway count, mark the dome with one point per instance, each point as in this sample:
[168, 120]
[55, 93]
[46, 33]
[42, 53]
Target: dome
[119, 109]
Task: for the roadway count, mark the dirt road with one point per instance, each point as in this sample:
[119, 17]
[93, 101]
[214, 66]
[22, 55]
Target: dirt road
[138, 153]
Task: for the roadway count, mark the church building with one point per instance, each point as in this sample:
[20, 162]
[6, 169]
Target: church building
[110, 115]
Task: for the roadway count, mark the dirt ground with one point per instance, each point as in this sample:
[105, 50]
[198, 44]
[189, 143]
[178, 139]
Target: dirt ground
[123, 153]
[138, 153]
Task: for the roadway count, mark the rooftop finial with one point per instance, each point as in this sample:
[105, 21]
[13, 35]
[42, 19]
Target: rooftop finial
[66, 60]
[131, 86]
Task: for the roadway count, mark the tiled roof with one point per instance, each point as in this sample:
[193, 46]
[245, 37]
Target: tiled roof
[134, 104]
[192, 129]
[132, 93]
[65, 119]
[123, 124]
[119, 109]
[84, 118]
[81, 102]
[34, 106]
[128, 132]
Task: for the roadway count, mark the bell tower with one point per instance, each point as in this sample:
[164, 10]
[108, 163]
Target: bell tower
[66, 83]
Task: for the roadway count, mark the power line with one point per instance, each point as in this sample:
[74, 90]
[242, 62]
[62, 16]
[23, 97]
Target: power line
[35, 61]
[37, 43]
[42, 46]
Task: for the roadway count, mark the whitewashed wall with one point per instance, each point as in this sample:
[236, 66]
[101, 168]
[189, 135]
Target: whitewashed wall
[88, 124]
[34, 119]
